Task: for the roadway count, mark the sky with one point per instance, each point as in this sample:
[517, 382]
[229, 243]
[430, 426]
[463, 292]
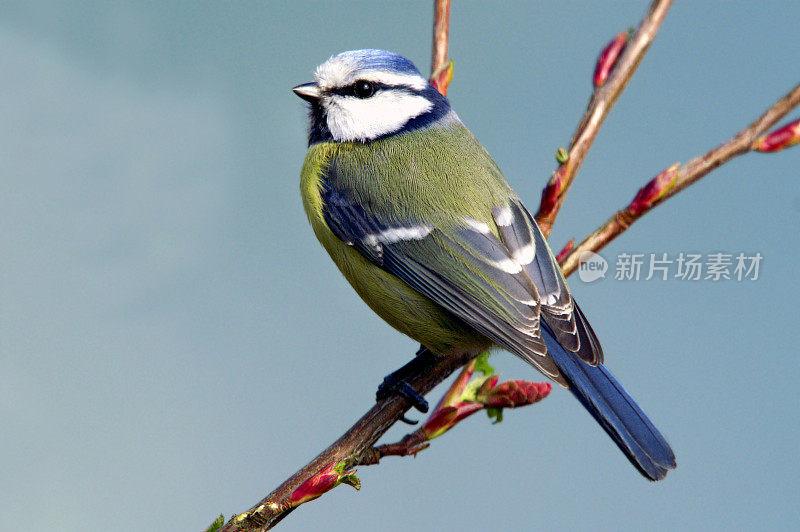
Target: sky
[174, 343]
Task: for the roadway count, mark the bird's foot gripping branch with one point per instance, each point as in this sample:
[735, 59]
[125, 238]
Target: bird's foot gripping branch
[468, 394]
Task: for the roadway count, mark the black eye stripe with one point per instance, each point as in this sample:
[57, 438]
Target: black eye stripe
[350, 90]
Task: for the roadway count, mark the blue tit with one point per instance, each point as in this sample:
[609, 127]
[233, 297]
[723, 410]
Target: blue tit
[421, 222]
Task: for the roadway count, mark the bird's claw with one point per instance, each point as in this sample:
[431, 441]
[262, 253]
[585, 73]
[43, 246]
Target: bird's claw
[390, 386]
[396, 383]
[407, 421]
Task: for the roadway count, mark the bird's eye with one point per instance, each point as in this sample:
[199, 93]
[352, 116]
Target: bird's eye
[363, 89]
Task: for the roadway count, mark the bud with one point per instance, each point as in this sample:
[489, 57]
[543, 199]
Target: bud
[445, 418]
[781, 138]
[512, 394]
[657, 187]
[217, 524]
[553, 189]
[465, 397]
[325, 480]
[453, 406]
[442, 77]
[608, 58]
[562, 156]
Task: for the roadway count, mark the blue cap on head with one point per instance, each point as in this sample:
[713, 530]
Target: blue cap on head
[379, 60]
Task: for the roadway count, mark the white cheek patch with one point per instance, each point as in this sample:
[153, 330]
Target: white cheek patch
[350, 118]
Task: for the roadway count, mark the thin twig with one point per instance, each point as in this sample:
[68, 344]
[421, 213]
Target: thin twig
[441, 30]
[602, 101]
[691, 172]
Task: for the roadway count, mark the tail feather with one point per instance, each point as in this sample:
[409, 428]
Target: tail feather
[603, 396]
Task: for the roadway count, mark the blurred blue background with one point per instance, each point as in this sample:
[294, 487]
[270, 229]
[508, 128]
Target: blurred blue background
[174, 343]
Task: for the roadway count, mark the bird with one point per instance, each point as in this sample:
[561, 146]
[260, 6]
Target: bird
[422, 223]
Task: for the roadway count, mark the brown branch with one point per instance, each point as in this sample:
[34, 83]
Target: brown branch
[465, 397]
[356, 445]
[743, 142]
[602, 101]
[361, 436]
[441, 30]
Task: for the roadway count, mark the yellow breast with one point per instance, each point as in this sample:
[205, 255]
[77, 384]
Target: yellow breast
[399, 305]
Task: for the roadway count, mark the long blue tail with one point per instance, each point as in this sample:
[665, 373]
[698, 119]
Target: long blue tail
[615, 410]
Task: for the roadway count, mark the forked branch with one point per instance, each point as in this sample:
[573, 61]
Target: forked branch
[333, 465]
[677, 177]
[603, 99]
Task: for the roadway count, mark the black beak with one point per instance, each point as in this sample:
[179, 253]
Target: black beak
[308, 91]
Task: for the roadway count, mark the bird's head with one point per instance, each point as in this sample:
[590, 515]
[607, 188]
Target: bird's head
[365, 95]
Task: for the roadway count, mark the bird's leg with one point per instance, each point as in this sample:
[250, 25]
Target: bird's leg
[396, 383]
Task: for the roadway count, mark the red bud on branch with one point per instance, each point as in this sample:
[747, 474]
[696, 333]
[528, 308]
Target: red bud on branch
[446, 418]
[456, 389]
[566, 250]
[512, 394]
[442, 77]
[465, 397]
[553, 189]
[453, 406]
[781, 138]
[657, 187]
[325, 480]
[608, 58]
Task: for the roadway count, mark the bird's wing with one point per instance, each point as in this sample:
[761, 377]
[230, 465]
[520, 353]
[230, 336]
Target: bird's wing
[522, 237]
[471, 272]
